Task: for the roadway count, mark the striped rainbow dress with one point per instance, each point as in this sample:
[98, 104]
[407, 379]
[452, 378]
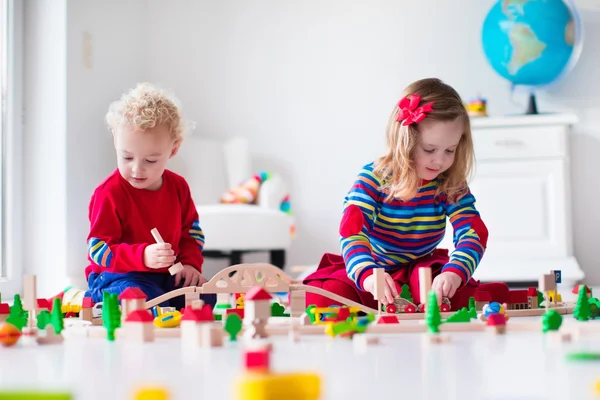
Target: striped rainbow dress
[379, 233]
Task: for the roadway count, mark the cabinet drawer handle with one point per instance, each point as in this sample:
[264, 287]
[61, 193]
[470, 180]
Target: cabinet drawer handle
[510, 143]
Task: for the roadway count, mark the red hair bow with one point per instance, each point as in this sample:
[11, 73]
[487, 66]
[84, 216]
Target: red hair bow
[409, 113]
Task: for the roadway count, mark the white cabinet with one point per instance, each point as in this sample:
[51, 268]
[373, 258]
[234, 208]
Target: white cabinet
[521, 184]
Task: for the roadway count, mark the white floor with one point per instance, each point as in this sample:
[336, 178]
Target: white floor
[472, 366]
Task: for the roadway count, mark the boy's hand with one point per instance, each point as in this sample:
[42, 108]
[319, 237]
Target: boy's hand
[445, 285]
[191, 277]
[390, 288]
[159, 255]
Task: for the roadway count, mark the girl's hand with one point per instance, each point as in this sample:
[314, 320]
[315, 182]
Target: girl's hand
[159, 255]
[191, 277]
[390, 288]
[445, 285]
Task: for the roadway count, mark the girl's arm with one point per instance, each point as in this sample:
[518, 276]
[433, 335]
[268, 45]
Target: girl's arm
[470, 237]
[360, 208]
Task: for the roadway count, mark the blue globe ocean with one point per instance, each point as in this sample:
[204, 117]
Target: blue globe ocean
[531, 42]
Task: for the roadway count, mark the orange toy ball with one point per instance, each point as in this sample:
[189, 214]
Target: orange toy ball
[9, 335]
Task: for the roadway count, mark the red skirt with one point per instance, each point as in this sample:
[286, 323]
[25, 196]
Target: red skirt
[332, 267]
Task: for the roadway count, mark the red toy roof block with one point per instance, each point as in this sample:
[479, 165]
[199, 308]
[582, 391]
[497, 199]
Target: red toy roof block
[517, 296]
[257, 359]
[140, 316]
[4, 308]
[496, 319]
[257, 293]
[532, 292]
[203, 314]
[43, 303]
[576, 289]
[87, 302]
[133, 293]
[388, 319]
[482, 295]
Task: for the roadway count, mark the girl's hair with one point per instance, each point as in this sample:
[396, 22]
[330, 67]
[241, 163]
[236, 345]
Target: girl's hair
[145, 107]
[396, 168]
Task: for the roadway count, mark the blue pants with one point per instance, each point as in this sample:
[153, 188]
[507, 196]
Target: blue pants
[152, 284]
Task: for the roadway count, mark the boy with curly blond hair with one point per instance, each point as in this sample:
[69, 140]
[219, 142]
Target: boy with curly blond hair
[141, 194]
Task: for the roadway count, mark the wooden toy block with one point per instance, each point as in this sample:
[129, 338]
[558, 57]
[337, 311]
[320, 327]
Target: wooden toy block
[139, 326]
[190, 297]
[211, 335]
[297, 303]
[175, 268]
[424, 283]
[197, 304]
[257, 305]
[30, 299]
[379, 288]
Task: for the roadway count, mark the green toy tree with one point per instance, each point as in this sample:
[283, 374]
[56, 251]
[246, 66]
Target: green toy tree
[551, 321]
[405, 293]
[56, 317]
[43, 319]
[582, 307]
[540, 299]
[233, 326]
[472, 308]
[111, 314]
[17, 316]
[277, 310]
[462, 315]
[432, 313]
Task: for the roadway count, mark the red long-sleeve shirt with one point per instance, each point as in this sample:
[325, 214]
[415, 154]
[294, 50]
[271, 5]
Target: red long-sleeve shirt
[121, 218]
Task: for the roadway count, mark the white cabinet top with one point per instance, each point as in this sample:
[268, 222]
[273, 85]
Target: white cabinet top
[523, 120]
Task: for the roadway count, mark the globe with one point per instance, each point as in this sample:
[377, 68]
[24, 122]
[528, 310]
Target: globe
[532, 43]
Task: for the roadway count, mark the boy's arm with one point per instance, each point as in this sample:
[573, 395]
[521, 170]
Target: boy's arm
[470, 237]
[360, 207]
[191, 241]
[104, 247]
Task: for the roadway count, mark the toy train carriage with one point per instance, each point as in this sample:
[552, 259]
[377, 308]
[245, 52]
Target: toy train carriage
[404, 306]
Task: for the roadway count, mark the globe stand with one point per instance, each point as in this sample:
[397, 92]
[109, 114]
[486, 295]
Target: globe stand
[532, 106]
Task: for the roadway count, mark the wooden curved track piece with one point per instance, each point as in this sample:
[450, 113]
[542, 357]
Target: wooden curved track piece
[242, 277]
[167, 296]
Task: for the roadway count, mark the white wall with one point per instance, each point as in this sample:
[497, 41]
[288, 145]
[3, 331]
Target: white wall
[312, 83]
[45, 141]
[67, 149]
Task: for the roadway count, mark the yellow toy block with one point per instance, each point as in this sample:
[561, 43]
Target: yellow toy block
[302, 386]
[151, 393]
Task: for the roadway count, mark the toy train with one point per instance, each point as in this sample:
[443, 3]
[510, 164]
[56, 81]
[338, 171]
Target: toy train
[405, 306]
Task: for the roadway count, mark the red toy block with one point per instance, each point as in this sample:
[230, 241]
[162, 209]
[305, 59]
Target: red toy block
[257, 360]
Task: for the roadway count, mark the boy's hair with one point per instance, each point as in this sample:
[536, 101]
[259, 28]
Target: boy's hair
[397, 167]
[145, 107]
